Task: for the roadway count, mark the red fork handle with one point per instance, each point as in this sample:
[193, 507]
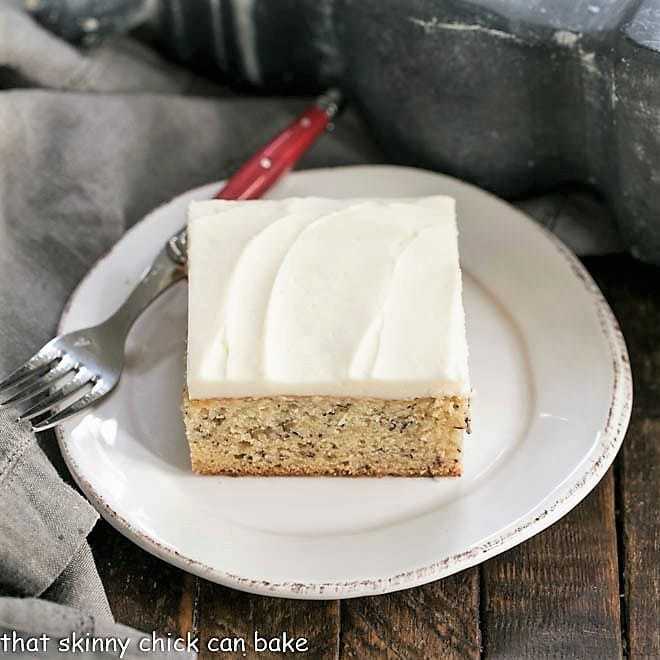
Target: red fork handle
[263, 169]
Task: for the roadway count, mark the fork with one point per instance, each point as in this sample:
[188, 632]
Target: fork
[73, 371]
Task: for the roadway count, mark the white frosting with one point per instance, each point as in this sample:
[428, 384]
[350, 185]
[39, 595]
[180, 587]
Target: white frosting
[311, 296]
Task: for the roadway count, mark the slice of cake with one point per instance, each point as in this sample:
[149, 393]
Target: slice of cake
[325, 337]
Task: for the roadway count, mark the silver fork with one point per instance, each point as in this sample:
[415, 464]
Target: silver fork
[77, 369]
[81, 367]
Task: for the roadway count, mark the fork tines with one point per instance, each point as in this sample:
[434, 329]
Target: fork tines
[48, 379]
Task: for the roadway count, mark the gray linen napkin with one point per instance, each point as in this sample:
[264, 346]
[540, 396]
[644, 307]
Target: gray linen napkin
[90, 142]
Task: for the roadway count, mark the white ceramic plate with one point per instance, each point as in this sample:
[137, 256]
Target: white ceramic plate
[552, 402]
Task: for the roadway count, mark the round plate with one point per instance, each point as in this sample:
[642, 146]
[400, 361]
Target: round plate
[551, 404]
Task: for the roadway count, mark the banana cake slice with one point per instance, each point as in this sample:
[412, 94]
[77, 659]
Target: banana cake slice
[325, 337]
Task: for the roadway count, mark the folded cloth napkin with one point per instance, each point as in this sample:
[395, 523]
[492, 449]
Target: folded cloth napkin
[90, 142]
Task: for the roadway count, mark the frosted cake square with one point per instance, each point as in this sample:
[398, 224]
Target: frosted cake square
[325, 337]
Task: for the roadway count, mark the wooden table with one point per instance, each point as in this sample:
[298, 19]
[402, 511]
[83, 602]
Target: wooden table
[587, 587]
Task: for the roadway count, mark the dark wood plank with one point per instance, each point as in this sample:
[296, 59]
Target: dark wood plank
[641, 542]
[437, 620]
[633, 290]
[226, 613]
[557, 595]
[144, 592]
